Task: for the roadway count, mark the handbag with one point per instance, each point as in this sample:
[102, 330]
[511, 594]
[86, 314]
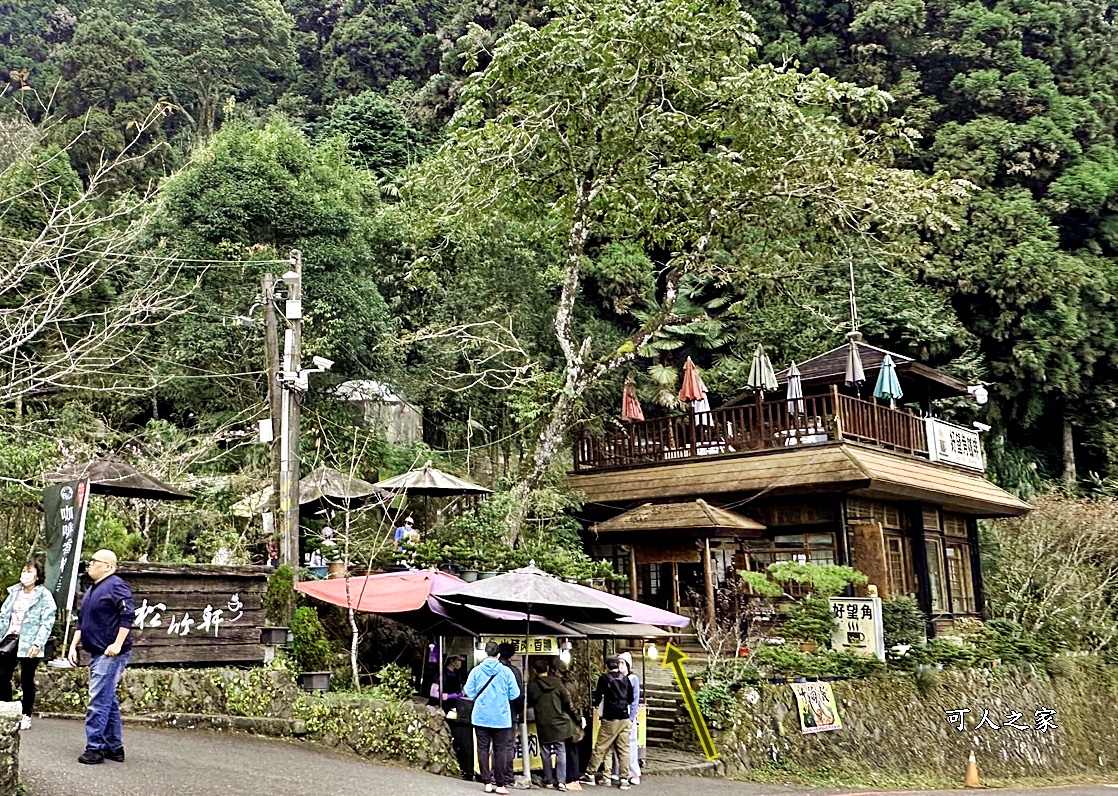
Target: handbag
[9, 644]
[466, 705]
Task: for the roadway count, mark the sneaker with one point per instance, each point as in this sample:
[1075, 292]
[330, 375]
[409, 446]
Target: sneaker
[501, 790]
[116, 756]
[562, 787]
[587, 779]
[576, 785]
[624, 784]
[25, 723]
[490, 787]
[634, 780]
[92, 757]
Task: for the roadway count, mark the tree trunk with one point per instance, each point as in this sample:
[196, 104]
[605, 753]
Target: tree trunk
[1070, 479]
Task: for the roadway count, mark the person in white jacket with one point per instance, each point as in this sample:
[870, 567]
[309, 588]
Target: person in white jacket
[26, 621]
[626, 661]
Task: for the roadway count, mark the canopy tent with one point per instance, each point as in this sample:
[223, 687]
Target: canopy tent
[431, 482]
[322, 485]
[116, 477]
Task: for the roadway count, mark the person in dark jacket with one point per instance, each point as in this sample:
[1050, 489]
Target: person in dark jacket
[556, 721]
[615, 692]
[505, 651]
[105, 620]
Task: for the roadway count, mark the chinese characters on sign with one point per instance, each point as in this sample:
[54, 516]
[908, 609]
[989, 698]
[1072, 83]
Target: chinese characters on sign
[151, 616]
[858, 625]
[953, 444]
[1045, 720]
[534, 645]
[815, 702]
[64, 506]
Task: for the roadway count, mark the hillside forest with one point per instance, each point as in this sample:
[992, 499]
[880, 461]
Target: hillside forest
[505, 209]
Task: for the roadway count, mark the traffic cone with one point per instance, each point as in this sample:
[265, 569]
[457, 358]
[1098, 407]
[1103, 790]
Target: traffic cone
[971, 779]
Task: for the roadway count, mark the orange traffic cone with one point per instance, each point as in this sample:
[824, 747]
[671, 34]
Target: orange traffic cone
[971, 779]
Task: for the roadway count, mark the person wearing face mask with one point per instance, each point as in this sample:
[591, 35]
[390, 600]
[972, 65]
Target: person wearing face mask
[26, 620]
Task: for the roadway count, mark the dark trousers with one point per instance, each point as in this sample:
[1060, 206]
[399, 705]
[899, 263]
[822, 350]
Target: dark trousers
[499, 742]
[26, 679]
[574, 770]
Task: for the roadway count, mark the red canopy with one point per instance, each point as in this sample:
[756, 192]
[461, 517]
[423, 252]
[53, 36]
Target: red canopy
[384, 593]
[630, 406]
[693, 388]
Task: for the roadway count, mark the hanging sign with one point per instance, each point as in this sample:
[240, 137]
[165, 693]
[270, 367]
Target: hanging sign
[64, 508]
[815, 702]
[953, 444]
[533, 645]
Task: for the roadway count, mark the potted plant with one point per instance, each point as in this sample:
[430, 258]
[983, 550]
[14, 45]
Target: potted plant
[279, 605]
[311, 650]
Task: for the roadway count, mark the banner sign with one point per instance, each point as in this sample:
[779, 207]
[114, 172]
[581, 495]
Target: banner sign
[535, 645]
[64, 507]
[815, 702]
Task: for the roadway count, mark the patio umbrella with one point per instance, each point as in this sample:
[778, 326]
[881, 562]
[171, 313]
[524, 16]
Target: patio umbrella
[114, 476]
[692, 388]
[888, 385]
[855, 375]
[762, 377]
[795, 391]
[323, 485]
[630, 405]
[431, 482]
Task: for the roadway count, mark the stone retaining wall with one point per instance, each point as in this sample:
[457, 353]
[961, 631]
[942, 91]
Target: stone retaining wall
[895, 727]
[267, 701]
[10, 714]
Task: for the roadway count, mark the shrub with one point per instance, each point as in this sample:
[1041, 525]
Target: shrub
[279, 599]
[903, 621]
[310, 646]
[810, 620]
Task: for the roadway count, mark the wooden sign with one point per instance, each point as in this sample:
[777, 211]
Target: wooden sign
[200, 614]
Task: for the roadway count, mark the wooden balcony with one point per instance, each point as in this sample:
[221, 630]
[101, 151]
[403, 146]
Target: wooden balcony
[757, 426]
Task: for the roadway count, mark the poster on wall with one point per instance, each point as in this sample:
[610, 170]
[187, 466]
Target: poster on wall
[815, 702]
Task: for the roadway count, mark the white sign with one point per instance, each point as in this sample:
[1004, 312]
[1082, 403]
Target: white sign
[858, 625]
[953, 444]
[210, 620]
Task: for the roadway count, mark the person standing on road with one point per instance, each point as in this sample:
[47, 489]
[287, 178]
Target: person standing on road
[615, 692]
[27, 616]
[626, 661]
[492, 687]
[556, 721]
[105, 619]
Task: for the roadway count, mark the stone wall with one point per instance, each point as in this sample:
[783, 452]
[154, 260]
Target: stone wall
[10, 714]
[270, 702]
[896, 729]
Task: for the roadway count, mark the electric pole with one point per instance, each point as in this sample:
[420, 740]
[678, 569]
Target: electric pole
[275, 402]
[293, 386]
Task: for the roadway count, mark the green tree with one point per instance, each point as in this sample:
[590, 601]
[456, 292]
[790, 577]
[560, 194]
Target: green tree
[652, 122]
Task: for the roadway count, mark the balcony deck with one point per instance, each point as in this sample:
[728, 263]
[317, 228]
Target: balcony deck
[750, 427]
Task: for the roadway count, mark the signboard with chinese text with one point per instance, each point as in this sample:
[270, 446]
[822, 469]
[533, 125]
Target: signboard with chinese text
[64, 507]
[815, 704]
[533, 645]
[200, 614]
[953, 444]
[858, 625]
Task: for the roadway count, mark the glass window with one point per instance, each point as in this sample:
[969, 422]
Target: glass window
[896, 551]
[959, 578]
[934, 550]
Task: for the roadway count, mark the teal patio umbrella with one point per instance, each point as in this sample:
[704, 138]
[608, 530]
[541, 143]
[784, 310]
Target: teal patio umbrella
[888, 386]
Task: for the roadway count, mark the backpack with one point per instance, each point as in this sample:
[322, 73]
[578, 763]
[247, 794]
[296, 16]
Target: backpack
[616, 696]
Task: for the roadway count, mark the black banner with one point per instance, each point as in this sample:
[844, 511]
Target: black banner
[64, 506]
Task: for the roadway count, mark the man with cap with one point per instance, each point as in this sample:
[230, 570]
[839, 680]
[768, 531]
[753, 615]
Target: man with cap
[615, 692]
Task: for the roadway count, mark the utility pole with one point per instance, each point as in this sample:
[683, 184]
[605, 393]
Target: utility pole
[290, 399]
[275, 400]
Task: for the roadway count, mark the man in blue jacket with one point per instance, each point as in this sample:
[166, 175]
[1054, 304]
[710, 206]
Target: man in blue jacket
[105, 619]
[492, 686]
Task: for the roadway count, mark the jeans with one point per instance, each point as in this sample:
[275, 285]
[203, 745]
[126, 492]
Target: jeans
[556, 775]
[26, 680]
[102, 717]
[500, 741]
[613, 734]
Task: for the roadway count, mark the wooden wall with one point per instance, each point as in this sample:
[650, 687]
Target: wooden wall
[174, 601]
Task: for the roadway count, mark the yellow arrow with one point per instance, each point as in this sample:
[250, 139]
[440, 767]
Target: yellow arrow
[675, 657]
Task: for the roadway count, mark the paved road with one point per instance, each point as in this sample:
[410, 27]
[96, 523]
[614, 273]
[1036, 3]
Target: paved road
[201, 763]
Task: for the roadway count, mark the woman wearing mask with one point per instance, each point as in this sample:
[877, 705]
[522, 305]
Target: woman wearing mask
[26, 620]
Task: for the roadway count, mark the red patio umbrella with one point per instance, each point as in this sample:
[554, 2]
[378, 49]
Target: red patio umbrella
[630, 405]
[693, 388]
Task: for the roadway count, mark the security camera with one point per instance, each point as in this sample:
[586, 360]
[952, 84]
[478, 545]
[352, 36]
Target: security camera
[983, 427]
[322, 363]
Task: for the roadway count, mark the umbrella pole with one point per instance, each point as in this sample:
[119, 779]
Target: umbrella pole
[525, 754]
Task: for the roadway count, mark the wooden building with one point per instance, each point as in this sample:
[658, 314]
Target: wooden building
[682, 503]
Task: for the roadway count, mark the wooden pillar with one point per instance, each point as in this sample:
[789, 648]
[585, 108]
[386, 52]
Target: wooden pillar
[708, 581]
[632, 572]
[675, 587]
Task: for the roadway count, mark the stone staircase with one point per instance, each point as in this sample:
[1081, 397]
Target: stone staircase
[660, 690]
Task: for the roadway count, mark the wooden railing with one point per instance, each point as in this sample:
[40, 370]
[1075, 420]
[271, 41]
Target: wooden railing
[760, 425]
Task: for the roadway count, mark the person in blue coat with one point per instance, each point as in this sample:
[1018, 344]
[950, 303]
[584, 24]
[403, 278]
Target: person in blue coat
[493, 687]
[28, 613]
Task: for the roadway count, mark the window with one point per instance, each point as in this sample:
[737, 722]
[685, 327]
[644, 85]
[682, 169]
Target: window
[653, 578]
[897, 556]
[817, 548]
[959, 578]
[929, 517]
[934, 550]
[860, 510]
[954, 525]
